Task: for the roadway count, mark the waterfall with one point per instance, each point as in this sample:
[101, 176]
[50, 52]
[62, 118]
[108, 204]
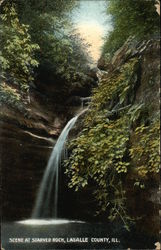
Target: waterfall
[47, 199]
[85, 101]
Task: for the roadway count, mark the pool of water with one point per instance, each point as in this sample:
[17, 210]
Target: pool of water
[53, 234]
[47, 221]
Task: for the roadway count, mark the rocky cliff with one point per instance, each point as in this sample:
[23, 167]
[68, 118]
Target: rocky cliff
[116, 147]
[27, 137]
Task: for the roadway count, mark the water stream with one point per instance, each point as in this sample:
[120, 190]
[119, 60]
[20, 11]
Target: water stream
[85, 101]
[47, 200]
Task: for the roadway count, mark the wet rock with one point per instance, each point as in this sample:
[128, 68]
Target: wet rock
[74, 101]
[26, 143]
[28, 136]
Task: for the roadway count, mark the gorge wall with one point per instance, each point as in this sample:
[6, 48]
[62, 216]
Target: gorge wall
[28, 138]
[120, 134]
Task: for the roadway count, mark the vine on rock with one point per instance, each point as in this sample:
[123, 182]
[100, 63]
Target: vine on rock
[102, 153]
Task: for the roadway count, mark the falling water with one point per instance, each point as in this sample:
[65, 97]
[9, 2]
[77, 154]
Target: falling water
[85, 101]
[47, 199]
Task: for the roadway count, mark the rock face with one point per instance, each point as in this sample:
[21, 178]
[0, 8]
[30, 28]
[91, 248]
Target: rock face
[26, 142]
[141, 203]
[27, 139]
[147, 93]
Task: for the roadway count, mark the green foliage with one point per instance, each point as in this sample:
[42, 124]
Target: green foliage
[145, 150]
[105, 153]
[40, 44]
[17, 51]
[62, 52]
[59, 8]
[10, 96]
[117, 87]
[135, 111]
[99, 155]
[100, 152]
[130, 18]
